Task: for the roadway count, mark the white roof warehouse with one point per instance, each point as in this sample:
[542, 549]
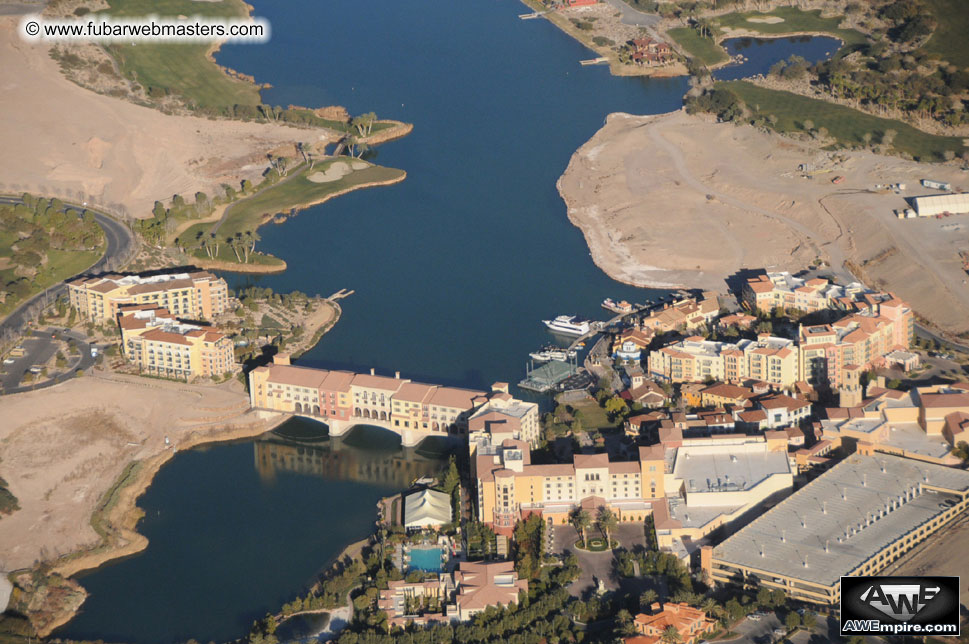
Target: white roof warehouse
[855, 519]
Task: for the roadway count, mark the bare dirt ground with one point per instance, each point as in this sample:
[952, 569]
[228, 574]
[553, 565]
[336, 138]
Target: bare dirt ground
[111, 151]
[680, 200]
[61, 449]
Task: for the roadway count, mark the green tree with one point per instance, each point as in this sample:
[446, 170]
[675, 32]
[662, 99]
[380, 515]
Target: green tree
[792, 621]
[452, 478]
[607, 522]
[647, 598]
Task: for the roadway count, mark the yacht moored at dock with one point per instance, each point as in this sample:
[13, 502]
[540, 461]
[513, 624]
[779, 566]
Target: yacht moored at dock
[568, 325]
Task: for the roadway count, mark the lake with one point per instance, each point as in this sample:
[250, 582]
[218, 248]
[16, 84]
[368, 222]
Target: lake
[453, 271]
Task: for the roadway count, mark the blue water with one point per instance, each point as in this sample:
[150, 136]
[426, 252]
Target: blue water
[761, 53]
[426, 559]
[453, 270]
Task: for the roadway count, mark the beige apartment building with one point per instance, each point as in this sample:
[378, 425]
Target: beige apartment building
[858, 339]
[782, 290]
[770, 359]
[160, 345]
[194, 295]
[504, 416]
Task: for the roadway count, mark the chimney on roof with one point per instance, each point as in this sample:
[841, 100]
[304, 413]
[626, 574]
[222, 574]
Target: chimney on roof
[281, 358]
[397, 375]
[372, 371]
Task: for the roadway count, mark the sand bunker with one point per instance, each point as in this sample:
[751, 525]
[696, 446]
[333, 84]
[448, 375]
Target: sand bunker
[767, 20]
[336, 171]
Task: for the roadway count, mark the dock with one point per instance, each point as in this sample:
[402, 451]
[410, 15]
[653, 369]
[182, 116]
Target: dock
[548, 376]
[594, 61]
[342, 293]
[532, 16]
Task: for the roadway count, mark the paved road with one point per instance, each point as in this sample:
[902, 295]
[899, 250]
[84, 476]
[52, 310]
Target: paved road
[119, 241]
[635, 17]
[40, 347]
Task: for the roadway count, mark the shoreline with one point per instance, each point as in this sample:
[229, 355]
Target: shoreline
[233, 267]
[280, 218]
[121, 518]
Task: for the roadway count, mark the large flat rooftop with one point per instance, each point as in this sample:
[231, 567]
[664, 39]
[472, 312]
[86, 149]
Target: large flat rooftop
[727, 468]
[838, 521]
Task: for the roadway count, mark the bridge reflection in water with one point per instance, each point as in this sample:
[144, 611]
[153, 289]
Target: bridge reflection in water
[365, 454]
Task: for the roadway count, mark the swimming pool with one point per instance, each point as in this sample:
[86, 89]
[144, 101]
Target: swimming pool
[426, 559]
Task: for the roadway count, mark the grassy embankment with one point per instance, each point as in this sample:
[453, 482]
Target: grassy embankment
[191, 73]
[949, 39]
[36, 264]
[293, 192]
[705, 50]
[185, 70]
[847, 125]
[61, 264]
[709, 52]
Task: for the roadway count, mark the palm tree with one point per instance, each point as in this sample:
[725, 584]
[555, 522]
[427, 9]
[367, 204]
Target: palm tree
[581, 520]
[607, 522]
[671, 636]
[647, 598]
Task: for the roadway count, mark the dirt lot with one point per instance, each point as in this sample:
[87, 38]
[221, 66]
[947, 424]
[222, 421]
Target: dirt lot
[62, 448]
[111, 151]
[681, 200]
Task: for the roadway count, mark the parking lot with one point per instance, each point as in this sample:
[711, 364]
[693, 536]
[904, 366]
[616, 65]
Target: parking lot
[38, 349]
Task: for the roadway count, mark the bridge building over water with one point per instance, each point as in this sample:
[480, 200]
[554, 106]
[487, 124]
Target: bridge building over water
[343, 399]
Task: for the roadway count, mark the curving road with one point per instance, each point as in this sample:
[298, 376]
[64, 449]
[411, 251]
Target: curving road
[119, 241]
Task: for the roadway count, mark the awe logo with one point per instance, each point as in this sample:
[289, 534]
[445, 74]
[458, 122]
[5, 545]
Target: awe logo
[901, 601]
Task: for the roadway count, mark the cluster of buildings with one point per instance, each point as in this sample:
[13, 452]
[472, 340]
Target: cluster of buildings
[457, 596]
[874, 326]
[689, 485]
[397, 403]
[157, 314]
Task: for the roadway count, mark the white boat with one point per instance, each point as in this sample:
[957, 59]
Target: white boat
[552, 352]
[568, 325]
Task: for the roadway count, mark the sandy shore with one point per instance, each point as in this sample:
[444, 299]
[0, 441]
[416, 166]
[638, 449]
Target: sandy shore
[675, 200]
[61, 449]
[114, 152]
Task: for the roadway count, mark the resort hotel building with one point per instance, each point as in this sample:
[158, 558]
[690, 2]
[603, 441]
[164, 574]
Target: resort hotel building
[855, 519]
[193, 295]
[394, 402]
[161, 345]
[690, 486]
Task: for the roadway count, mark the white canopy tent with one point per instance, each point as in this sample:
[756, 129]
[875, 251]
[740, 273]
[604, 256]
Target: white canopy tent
[426, 508]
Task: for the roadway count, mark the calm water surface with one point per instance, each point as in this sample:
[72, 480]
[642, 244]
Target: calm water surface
[453, 271]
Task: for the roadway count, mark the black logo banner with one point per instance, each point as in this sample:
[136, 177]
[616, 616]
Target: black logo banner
[899, 605]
